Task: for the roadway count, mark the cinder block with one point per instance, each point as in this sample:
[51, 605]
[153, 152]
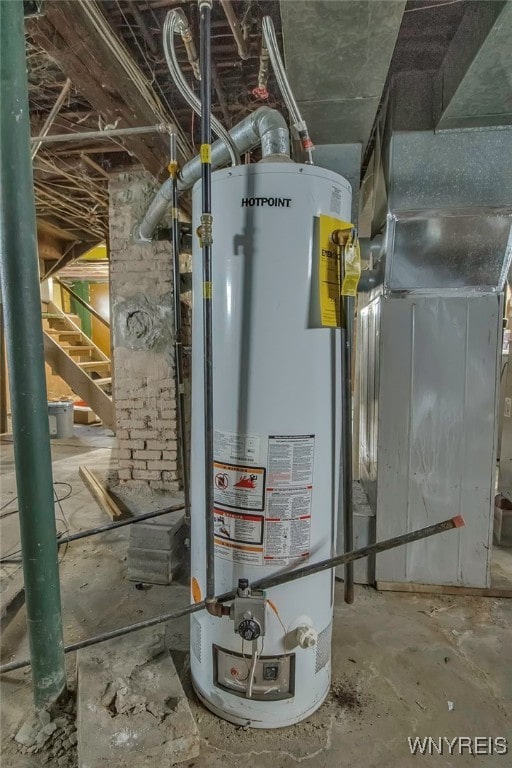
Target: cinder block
[154, 566]
[158, 533]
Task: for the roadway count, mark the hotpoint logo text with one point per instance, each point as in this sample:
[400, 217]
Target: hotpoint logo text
[271, 202]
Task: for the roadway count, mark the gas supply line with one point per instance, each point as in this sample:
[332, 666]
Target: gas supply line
[178, 326]
[104, 529]
[344, 239]
[261, 584]
[205, 233]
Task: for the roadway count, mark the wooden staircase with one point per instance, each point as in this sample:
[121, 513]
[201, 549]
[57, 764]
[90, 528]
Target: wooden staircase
[76, 359]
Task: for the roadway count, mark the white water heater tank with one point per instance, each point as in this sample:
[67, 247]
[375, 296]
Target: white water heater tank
[276, 448]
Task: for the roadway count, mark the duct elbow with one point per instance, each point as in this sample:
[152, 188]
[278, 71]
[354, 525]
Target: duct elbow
[271, 127]
[265, 126]
[145, 230]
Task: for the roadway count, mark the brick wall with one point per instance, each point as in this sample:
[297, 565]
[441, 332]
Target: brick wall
[143, 354]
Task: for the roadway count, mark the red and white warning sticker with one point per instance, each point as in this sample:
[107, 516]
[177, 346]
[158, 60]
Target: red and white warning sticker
[239, 487]
[238, 527]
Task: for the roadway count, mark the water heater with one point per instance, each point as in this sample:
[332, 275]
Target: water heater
[276, 443]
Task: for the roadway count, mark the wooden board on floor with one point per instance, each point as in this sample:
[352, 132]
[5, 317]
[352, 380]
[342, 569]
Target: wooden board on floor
[443, 589]
[101, 495]
[12, 598]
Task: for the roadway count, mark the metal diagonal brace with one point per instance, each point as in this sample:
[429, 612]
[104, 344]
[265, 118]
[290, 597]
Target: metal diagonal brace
[265, 583]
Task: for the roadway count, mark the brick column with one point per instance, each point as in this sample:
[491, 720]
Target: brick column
[143, 353]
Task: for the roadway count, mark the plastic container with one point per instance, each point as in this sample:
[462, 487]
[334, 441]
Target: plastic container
[60, 416]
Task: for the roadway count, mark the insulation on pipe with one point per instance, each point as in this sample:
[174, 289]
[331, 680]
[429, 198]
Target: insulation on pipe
[265, 126]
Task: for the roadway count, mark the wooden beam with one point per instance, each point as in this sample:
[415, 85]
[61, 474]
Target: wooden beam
[101, 97]
[73, 253]
[100, 494]
[54, 231]
[68, 36]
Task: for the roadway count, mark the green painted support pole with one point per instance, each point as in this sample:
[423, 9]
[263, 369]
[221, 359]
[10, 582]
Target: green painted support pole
[25, 355]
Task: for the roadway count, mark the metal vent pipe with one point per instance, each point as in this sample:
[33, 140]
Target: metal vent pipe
[265, 126]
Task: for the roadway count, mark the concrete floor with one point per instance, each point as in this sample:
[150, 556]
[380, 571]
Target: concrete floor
[398, 659]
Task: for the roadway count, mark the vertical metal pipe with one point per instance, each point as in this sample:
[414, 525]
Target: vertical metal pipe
[178, 327]
[206, 243]
[347, 311]
[24, 337]
[3, 376]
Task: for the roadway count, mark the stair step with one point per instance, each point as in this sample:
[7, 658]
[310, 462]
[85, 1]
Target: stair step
[78, 348]
[95, 364]
[59, 332]
[102, 382]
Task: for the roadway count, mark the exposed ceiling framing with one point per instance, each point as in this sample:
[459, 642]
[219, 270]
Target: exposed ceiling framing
[112, 52]
[343, 58]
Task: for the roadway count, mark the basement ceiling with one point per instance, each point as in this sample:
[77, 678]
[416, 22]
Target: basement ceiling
[341, 57]
[75, 39]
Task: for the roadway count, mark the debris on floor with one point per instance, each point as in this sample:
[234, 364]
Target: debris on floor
[132, 709]
[53, 738]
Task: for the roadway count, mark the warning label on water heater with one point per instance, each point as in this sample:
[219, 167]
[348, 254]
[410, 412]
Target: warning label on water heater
[238, 536]
[287, 525]
[290, 460]
[235, 447]
[238, 487]
[289, 498]
[237, 526]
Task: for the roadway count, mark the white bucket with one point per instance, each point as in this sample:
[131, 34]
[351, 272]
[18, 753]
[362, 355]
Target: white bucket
[60, 416]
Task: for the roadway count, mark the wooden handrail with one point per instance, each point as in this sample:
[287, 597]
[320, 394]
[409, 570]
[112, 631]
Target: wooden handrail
[81, 301]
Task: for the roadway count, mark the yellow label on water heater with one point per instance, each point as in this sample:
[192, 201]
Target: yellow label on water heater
[331, 286]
